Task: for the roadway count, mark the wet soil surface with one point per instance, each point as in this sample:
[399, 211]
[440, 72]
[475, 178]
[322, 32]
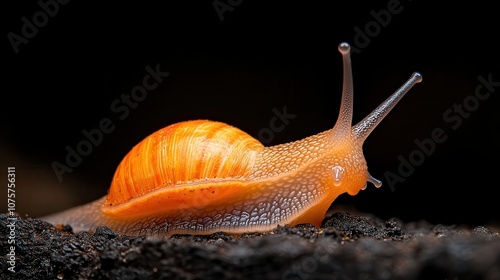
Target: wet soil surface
[347, 246]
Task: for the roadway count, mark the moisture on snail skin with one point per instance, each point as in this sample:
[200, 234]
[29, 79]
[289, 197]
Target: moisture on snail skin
[203, 176]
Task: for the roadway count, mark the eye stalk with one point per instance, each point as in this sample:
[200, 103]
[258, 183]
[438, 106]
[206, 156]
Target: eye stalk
[363, 129]
[354, 136]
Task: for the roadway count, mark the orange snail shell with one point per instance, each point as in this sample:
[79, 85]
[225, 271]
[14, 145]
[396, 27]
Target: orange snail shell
[164, 168]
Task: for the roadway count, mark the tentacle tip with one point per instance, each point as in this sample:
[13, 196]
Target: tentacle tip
[344, 48]
[376, 182]
[417, 76]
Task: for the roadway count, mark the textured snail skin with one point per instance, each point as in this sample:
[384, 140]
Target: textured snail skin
[201, 176]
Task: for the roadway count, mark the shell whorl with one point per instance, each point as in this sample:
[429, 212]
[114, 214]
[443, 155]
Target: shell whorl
[183, 153]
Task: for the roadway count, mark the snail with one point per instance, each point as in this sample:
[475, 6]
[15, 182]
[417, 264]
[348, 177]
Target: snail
[202, 176]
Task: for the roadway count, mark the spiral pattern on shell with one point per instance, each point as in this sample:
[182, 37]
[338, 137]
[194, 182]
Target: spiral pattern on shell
[183, 153]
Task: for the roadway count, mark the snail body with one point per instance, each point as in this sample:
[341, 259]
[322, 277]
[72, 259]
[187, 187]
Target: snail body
[201, 176]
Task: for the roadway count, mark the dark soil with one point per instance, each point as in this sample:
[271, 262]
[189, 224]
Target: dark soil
[347, 246]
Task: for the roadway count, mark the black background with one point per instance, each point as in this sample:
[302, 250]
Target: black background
[260, 56]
